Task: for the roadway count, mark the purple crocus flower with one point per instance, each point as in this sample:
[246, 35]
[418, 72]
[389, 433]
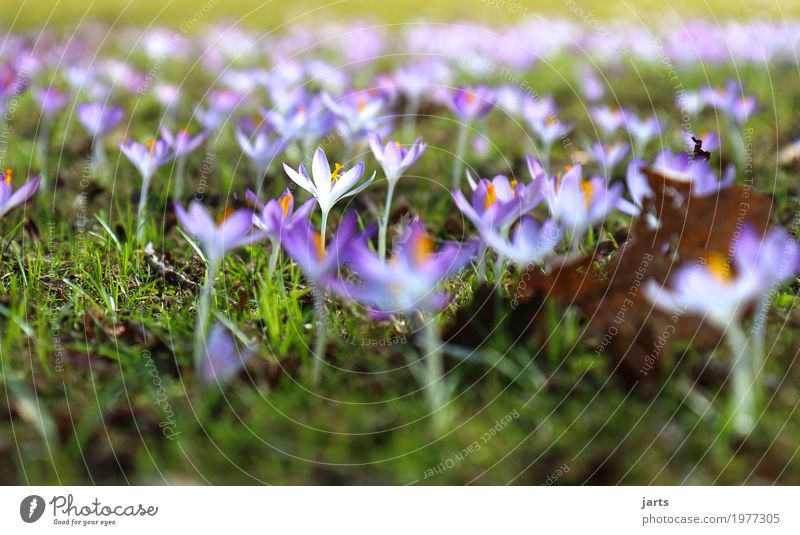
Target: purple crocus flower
[147, 158]
[497, 203]
[721, 292]
[221, 105]
[470, 103]
[696, 171]
[217, 239]
[182, 142]
[318, 261]
[12, 83]
[577, 203]
[394, 158]
[99, 119]
[358, 112]
[609, 156]
[222, 357]
[50, 100]
[643, 130]
[609, 120]
[530, 242]
[277, 215]
[10, 199]
[408, 281]
[306, 121]
[710, 140]
[731, 101]
[261, 148]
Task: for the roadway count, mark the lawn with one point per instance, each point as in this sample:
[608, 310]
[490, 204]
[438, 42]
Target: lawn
[96, 333]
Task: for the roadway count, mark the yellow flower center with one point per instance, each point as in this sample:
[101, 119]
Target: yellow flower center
[337, 170]
[470, 98]
[361, 103]
[422, 249]
[151, 144]
[9, 176]
[285, 201]
[224, 215]
[491, 196]
[719, 268]
[588, 191]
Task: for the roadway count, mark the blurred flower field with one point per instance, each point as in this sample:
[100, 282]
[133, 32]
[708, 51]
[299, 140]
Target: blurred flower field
[553, 249]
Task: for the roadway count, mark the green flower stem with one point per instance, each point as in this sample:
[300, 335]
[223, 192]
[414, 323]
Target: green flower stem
[458, 163]
[321, 336]
[742, 401]
[142, 213]
[434, 379]
[273, 257]
[180, 177]
[384, 224]
[203, 314]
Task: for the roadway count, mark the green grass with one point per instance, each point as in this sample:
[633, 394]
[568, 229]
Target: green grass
[88, 336]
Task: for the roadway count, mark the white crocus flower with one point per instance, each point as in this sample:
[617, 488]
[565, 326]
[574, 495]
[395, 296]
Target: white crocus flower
[327, 186]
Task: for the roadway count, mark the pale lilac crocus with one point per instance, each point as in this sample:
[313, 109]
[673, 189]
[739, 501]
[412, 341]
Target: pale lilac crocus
[275, 217]
[721, 292]
[147, 159]
[547, 131]
[710, 140]
[358, 112]
[530, 242]
[576, 203]
[261, 148]
[182, 143]
[12, 84]
[643, 130]
[10, 199]
[609, 119]
[731, 101]
[306, 121]
[609, 156]
[216, 240]
[327, 186]
[468, 104]
[394, 159]
[222, 357]
[696, 171]
[98, 120]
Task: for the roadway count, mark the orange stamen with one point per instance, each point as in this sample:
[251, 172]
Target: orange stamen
[491, 196]
[423, 248]
[336, 174]
[719, 268]
[9, 176]
[319, 245]
[285, 202]
[225, 215]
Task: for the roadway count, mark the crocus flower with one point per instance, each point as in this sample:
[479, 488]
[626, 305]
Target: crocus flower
[394, 158]
[530, 242]
[222, 357]
[99, 119]
[609, 120]
[221, 105]
[306, 121]
[319, 261]
[261, 148]
[470, 103]
[327, 186]
[10, 199]
[12, 83]
[609, 156]
[50, 100]
[547, 132]
[147, 158]
[497, 203]
[182, 143]
[577, 203]
[710, 140]
[217, 239]
[721, 292]
[731, 101]
[408, 282]
[276, 217]
[643, 130]
[358, 112]
[696, 171]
